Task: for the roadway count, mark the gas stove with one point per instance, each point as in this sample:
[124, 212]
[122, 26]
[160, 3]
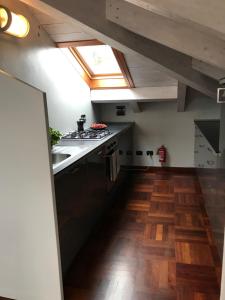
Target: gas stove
[89, 134]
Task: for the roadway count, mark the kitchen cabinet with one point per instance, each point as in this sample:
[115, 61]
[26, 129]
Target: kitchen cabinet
[83, 193]
[71, 210]
[80, 196]
[96, 184]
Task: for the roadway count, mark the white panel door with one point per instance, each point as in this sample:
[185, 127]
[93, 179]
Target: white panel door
[29, 252]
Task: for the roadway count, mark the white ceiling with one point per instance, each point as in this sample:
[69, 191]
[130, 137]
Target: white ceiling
[145, 73]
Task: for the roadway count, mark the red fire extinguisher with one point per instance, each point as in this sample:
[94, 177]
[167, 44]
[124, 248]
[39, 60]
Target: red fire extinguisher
[162, 154]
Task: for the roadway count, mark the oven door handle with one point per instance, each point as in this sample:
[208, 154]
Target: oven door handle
[111, 153]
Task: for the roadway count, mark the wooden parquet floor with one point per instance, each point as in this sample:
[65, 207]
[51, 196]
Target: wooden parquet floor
[155, 244]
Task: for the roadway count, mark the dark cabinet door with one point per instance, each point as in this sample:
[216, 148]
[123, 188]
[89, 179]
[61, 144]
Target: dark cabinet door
[96, 184]
[80, 198]
[125, 146]
[71, 211]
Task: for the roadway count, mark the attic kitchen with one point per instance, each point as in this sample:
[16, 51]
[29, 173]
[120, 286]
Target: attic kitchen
[113, 127]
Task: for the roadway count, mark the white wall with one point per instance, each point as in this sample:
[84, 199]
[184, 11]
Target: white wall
[160, 123]
[38, 62]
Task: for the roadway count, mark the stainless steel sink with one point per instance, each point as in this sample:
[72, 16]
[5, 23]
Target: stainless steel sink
[59, 157]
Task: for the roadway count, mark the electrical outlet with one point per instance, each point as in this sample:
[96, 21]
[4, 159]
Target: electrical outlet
[139, 152]
[150, 152]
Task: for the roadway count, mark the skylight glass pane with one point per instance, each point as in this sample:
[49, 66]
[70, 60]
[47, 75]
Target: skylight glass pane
[100, 59]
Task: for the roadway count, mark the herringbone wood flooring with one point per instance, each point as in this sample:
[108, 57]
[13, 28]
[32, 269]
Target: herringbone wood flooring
[155, 244]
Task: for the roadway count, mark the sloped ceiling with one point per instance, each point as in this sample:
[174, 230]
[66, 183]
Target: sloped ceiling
[145, 73]
[169, 42]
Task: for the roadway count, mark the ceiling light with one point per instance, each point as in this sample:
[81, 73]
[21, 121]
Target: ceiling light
[13, 24]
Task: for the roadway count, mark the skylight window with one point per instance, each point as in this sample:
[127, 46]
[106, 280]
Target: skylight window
[100, 59]
[99, 65]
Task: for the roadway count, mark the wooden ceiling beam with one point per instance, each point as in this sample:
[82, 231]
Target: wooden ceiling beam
[207, 69]
[206, 15]
[181, 97]
[176, 35]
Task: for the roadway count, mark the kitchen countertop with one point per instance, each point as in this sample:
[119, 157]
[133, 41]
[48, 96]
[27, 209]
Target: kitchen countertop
[79, 149]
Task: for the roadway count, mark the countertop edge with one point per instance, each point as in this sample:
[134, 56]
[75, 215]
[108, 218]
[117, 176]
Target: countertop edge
[116, 128]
